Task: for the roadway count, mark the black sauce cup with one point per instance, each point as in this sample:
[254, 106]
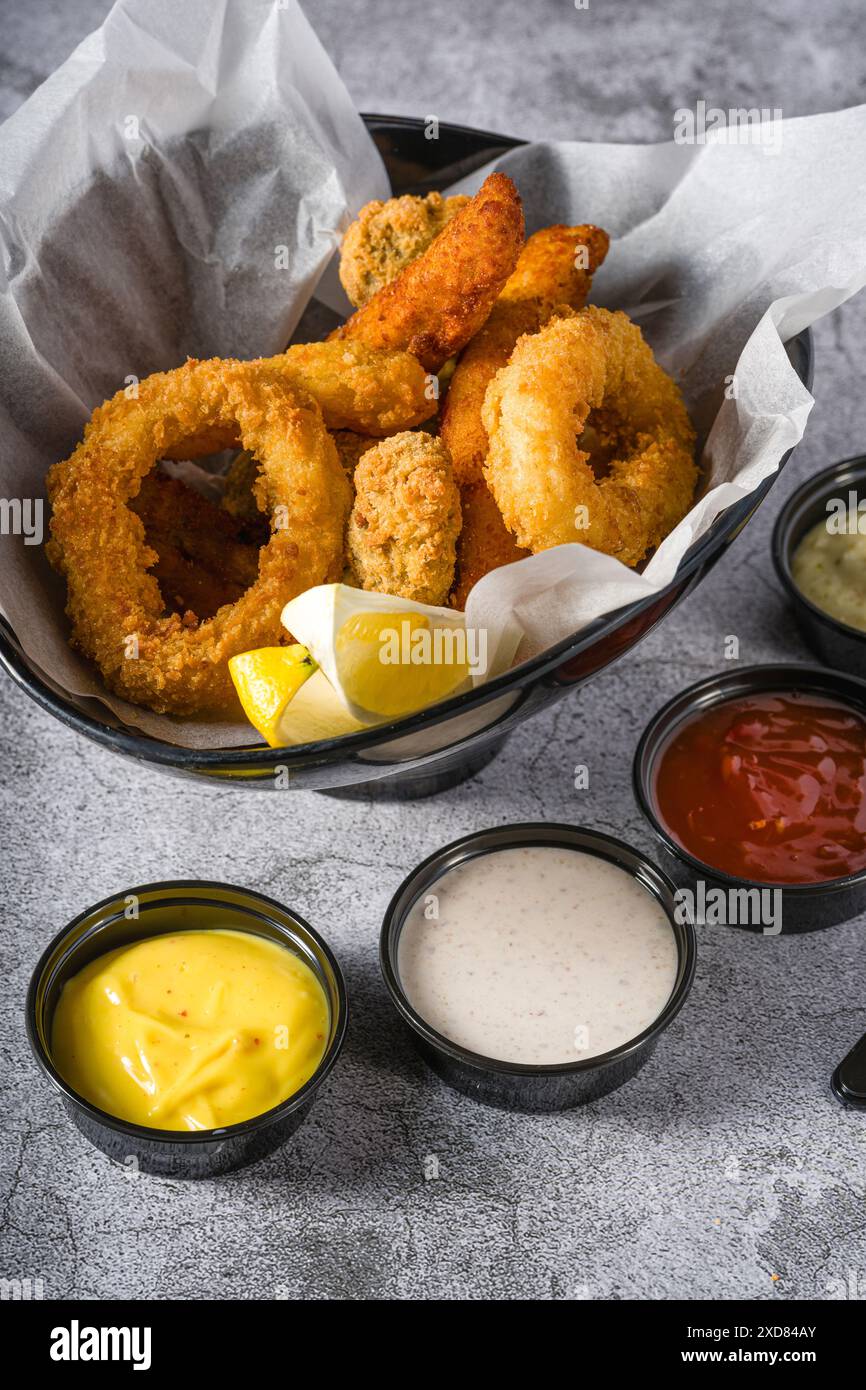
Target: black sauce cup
[512, 1085]
[835, 642]
[158, 909]
[801, 907]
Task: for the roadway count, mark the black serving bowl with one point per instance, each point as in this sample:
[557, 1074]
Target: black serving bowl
[512, 1085]
[803, 906]
[154, 910]
[442, 745]
[833, 641]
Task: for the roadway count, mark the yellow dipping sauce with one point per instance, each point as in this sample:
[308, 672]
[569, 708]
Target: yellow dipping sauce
[196, 1030]
[829, 569]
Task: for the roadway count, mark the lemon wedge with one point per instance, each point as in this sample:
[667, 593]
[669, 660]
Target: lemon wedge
[316, 713]
[267, 680]
[385, 657]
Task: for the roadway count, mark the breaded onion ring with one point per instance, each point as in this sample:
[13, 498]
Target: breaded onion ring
[385, 237]
[536, 408]
[443, 297]
[405, 519]
[172, 664]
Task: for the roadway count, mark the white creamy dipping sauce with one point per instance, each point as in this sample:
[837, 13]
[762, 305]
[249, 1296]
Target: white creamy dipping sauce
[537, 955]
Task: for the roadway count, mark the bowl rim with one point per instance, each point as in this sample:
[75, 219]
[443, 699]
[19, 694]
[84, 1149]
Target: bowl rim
[339, 1007]
[781, 546]
[580, 839]
[752, 679]
[258, 757]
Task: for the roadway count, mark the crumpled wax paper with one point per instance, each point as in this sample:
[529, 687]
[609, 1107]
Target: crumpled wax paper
[175, 189]
[145, 188]
[722, 252]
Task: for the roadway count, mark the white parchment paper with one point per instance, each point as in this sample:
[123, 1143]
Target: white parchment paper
[175, 189]
[722, 252]
[180, 184]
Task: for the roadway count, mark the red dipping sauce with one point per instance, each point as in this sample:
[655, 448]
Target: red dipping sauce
[770, 788]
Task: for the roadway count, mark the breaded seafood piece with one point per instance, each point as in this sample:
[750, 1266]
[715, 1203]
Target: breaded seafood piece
[385, 237]
[351, 447]
[441, 299]
[534, 413]
[555, 268]
[406, 518]
[172, 663]
[374, 391]
[485, 542]
[553, 275]
[239, 497]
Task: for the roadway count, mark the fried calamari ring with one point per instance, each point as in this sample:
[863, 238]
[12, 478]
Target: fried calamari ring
[385, 237]
[555, 268]
[172, 664]
[534, 412]
[405, 519]
[443, 297]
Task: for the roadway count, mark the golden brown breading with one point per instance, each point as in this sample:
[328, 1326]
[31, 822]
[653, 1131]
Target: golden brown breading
[385, 237]
[239, 498]
[534, 412]
[553, 274]
[549, 273]
[173, 664]
[558, 263]
[373, 391]
[485, 542]
[368, 389]
[443, 297]
[405, 519]
[351, 447]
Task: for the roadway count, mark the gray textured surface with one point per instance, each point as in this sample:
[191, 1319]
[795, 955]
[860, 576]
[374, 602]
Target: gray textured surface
[726, 1163]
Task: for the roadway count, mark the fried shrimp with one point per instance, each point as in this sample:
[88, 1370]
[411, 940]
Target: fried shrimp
[441, 299]
[535, 411]
[405, 519]
[554, 269]
[385, 237]
[171, 663]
